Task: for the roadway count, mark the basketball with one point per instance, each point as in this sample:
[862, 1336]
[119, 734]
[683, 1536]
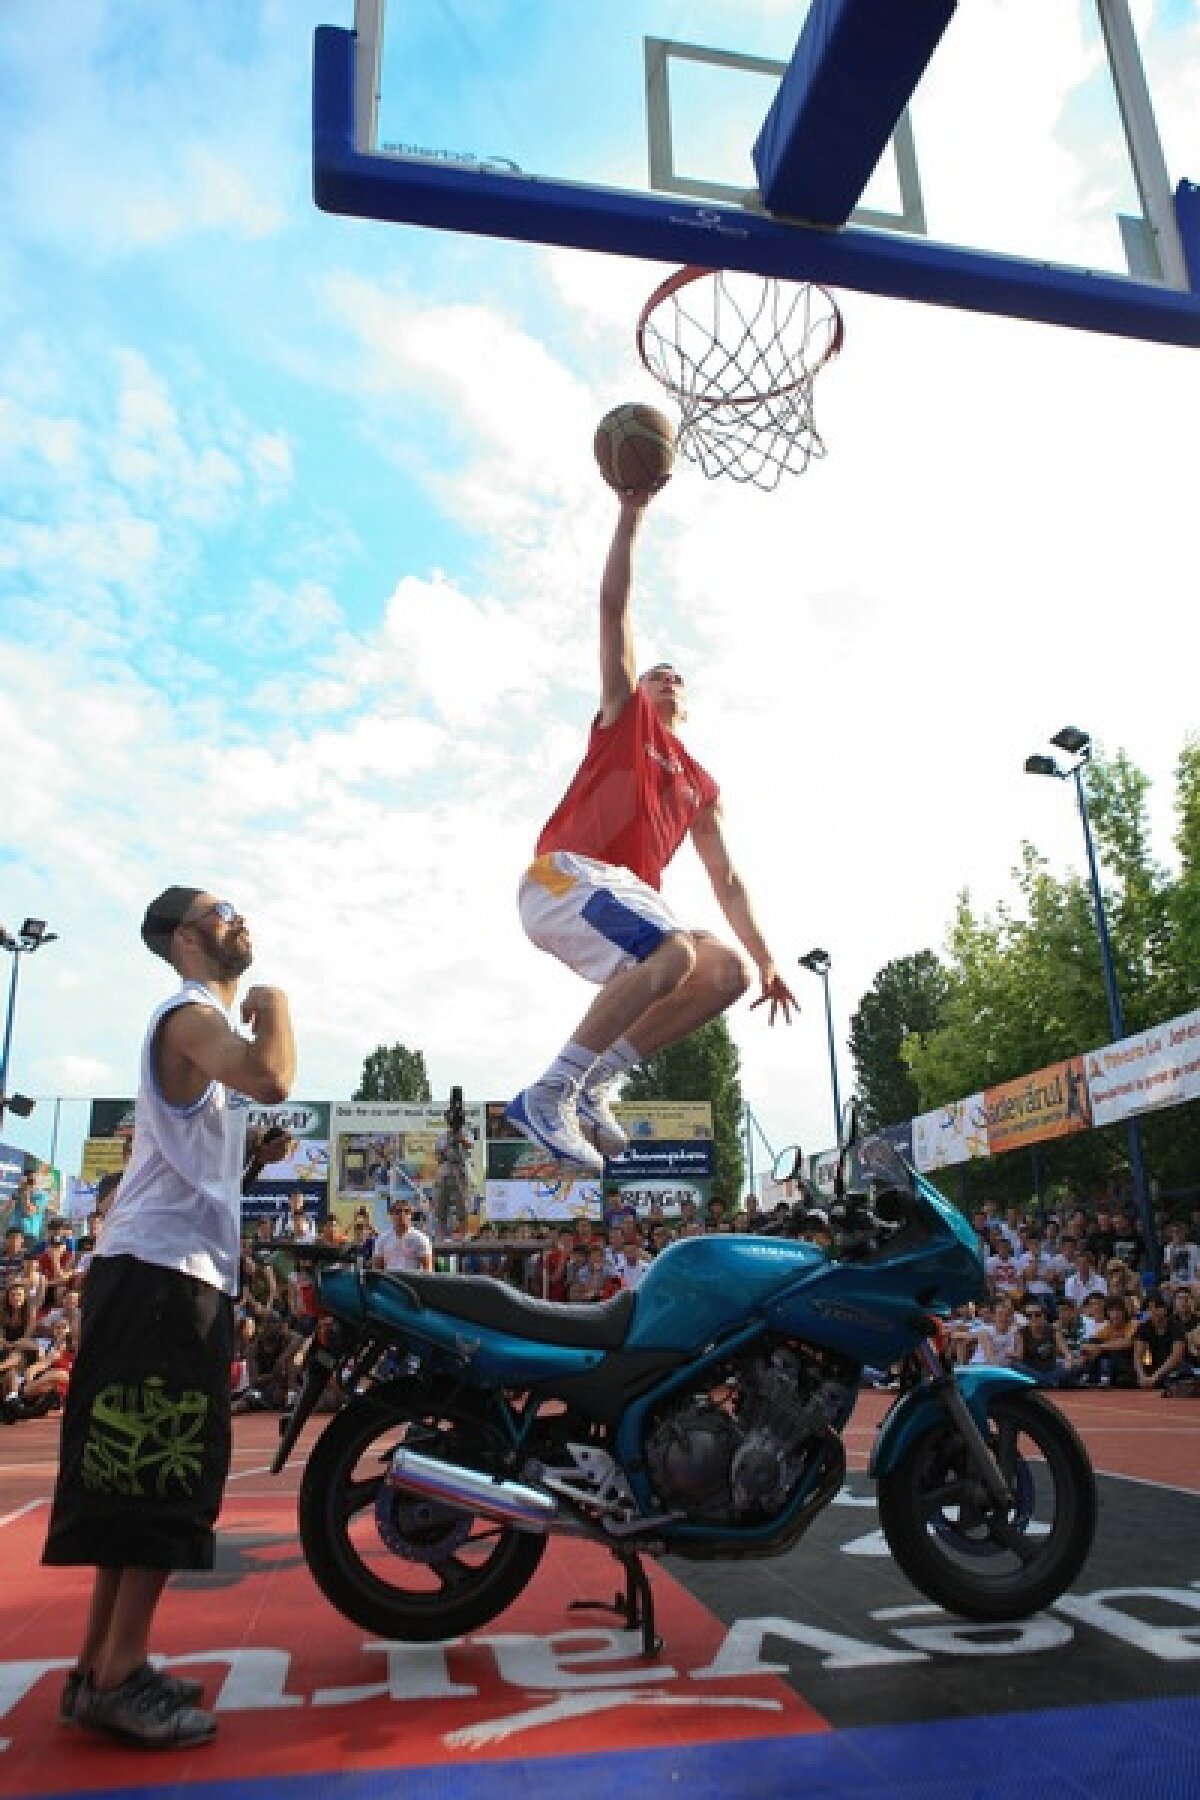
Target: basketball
[635, 448]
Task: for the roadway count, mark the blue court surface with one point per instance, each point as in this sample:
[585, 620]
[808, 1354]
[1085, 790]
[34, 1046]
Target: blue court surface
[820, 1674]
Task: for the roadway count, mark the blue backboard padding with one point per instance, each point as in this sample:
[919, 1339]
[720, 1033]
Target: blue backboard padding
[856, 66]
[669, 229]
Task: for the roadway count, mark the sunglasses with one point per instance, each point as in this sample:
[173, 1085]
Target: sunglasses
[225, 910]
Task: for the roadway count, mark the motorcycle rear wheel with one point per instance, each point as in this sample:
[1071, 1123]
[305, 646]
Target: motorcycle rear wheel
[958, 1547]
[396, 1564]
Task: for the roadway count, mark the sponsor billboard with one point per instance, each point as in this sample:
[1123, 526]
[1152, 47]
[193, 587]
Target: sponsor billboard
[1050, 1103]
[1153, 1068]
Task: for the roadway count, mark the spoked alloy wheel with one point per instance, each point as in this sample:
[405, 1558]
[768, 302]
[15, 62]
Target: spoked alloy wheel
[963, 1550]
[396, 1563]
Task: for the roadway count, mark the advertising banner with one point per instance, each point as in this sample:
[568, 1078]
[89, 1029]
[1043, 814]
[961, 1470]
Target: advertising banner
[384, 1150]
[953, 1133]
[102, 1156]
[1158, 1067]
[532, 1202]
[111, 1118]
[672, 1119]
[1050, 1103]
[12, 1167]
[662, 1159]
[306, 1123]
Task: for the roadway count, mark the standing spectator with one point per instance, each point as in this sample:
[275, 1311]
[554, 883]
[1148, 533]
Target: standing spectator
[402, 1247]
[152, 1369]
[1099, 1239]
[12, 1258]
[1128, 1242]
[1181, 1257]
[1158, 1344]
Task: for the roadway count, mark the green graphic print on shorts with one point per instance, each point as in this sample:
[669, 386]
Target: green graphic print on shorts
[142, 1441]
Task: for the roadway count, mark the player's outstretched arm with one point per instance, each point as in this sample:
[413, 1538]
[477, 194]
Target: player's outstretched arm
[708, 835]
[618, 662]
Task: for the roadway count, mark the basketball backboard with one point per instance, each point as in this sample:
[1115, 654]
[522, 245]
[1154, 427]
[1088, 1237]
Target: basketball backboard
[1024, 176]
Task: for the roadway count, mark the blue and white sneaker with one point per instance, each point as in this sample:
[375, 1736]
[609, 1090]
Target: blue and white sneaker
[546, 1116]
[598, 1122]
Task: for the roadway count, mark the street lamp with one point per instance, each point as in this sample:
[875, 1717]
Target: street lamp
[818, 962]
[1078, 744]
[32, 936]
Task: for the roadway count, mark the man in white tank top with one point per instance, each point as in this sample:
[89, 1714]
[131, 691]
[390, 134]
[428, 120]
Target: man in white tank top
[146, 1431]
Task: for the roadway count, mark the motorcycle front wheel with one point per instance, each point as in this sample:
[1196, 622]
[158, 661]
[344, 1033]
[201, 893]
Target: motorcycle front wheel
[966, 1552]
[396, 1563]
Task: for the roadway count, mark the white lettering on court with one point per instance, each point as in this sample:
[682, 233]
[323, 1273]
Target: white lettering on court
[741, 1653]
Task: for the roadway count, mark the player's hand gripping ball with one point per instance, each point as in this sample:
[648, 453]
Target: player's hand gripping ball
[635, 448]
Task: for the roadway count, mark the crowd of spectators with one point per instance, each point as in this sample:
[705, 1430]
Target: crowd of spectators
[1073, 1301]
[1070, 1298]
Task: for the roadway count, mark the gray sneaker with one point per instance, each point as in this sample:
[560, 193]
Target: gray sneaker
[599, 1124]
[143, 1711]
[186, 1692]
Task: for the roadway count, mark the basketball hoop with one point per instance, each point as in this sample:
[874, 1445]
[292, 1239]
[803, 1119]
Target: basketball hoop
[740, 354]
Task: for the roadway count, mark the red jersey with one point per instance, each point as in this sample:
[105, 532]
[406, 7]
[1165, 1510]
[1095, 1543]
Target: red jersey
[634, 795]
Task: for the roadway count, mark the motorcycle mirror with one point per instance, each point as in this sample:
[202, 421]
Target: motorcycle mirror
[789, 1164]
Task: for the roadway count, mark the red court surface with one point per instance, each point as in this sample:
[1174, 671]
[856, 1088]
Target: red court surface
[546, 1696]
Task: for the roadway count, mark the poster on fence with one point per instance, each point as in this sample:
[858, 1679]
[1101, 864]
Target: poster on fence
[1050, 1103]
[953, 1133]
[1153, 1068]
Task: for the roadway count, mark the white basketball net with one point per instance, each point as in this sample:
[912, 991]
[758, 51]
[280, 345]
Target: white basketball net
[740, 354]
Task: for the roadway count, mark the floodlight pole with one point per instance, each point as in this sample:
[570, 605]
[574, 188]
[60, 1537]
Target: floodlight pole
[32, 936]
[1037, 765]
[819, 962]
[10, 944]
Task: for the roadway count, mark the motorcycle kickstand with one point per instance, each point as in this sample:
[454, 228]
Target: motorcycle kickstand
[635, 1607]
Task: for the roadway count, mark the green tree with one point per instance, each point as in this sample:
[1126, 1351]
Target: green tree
[394, 1072]
[1026, 984]
[704, 1066]
[905, 1001]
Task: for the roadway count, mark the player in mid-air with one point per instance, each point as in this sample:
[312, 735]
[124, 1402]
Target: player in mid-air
[591, 896]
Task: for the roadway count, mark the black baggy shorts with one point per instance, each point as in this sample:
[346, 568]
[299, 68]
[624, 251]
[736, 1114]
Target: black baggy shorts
[146, 1433]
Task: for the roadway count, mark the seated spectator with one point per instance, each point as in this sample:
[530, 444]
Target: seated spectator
[48, 1375]
[999, 1340]
[1106, 1358]
[1085, 1279]
[1041, 1349]
[18, 1348]
[1184, 1307]
[1069, 1321]
[57, 1263]
[966, 1323]
[1158, 1344]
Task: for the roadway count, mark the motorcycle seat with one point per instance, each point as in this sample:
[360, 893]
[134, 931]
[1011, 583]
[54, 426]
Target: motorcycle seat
[482, 1300]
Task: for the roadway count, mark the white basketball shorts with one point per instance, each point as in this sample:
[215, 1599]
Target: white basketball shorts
[594, 916]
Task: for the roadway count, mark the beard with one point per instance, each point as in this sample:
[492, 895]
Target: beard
[230, 953]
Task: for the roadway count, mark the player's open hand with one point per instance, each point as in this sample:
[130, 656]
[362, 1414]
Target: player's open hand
[777, 995]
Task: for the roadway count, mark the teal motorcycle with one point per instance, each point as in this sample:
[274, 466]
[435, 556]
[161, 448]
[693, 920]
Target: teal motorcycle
[699, 1416]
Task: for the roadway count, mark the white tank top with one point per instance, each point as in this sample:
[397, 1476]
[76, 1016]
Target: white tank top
[180, 1200]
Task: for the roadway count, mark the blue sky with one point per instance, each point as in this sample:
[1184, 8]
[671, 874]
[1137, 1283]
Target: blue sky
[300, 544]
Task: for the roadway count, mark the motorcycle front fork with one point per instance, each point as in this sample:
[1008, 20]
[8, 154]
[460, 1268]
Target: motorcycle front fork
[978, 1449]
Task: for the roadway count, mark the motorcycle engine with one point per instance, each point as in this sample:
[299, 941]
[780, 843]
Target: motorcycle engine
[737, 1452]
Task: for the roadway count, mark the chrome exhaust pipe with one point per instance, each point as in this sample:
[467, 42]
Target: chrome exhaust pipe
[505, 1502]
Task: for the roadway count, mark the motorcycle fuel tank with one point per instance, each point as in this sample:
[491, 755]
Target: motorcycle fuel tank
[697, 1287]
